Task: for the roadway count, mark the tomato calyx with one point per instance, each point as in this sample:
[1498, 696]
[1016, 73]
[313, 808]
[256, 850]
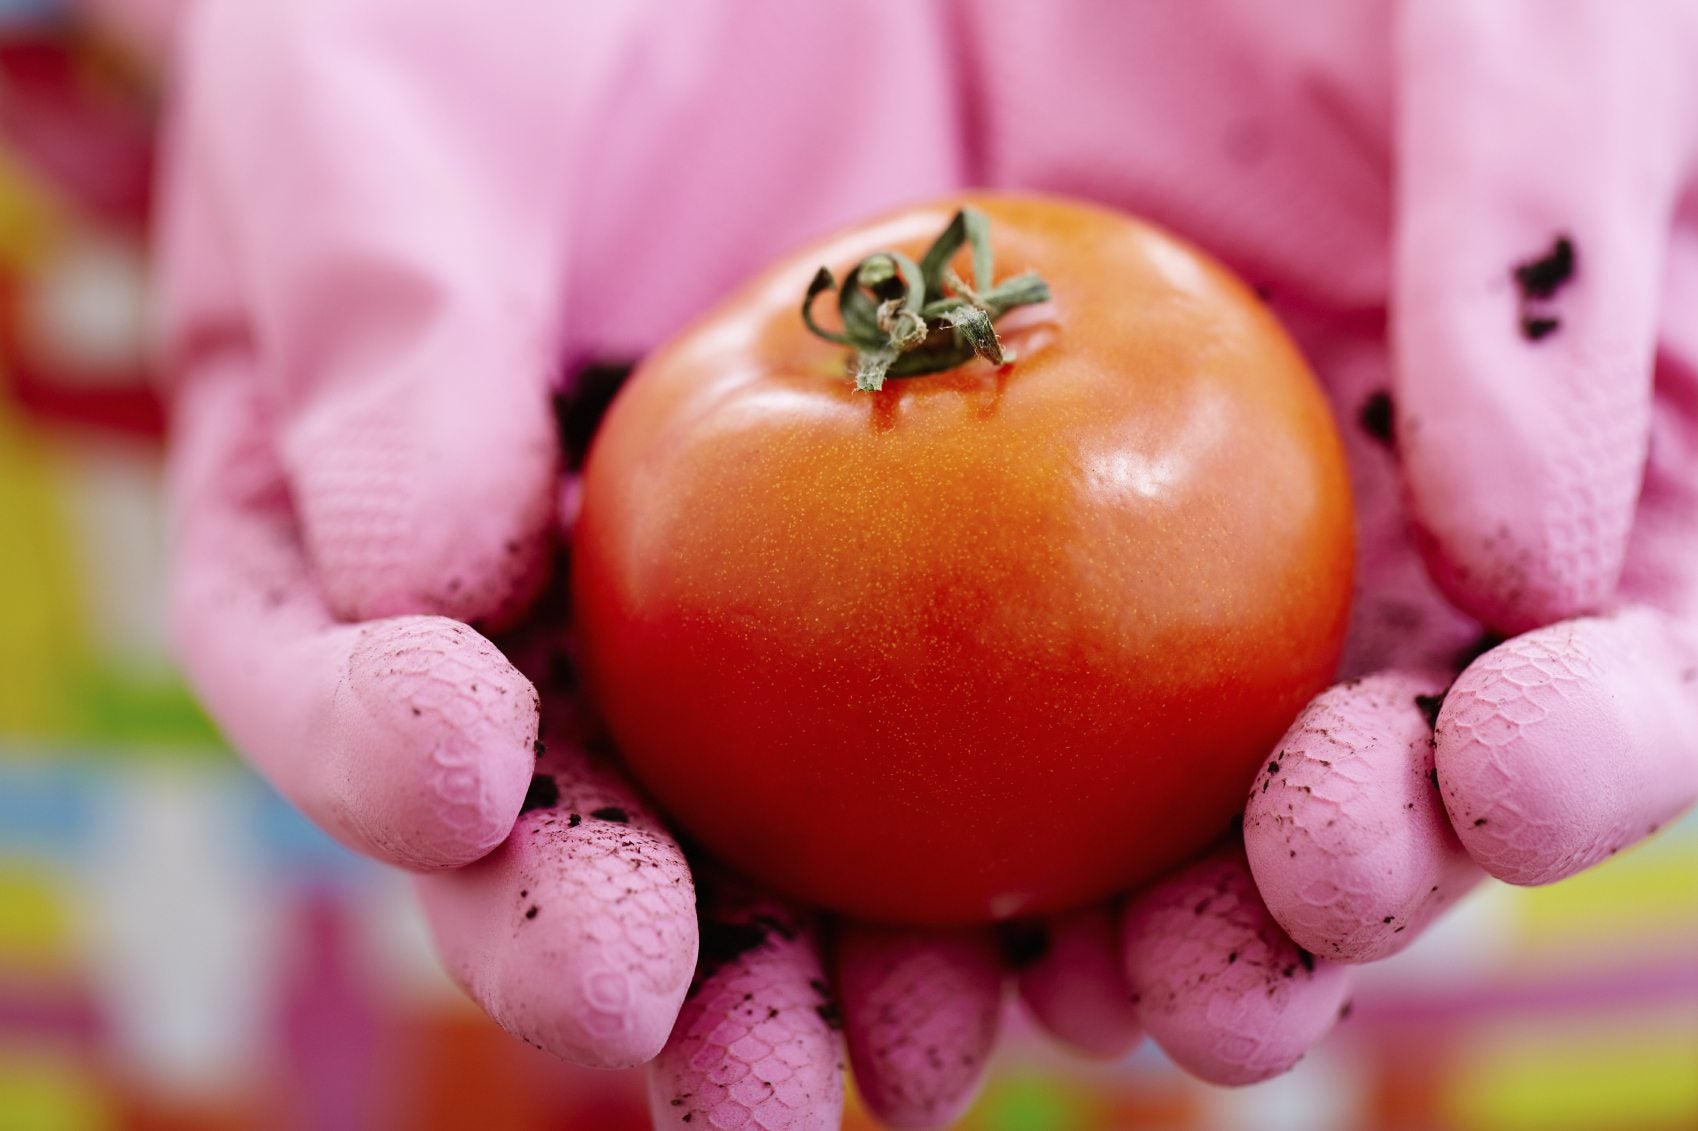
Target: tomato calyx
[904, 319]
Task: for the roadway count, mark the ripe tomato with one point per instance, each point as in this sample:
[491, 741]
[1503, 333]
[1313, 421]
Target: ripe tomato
[988, 642]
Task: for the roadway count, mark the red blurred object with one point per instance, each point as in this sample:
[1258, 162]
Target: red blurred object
[80, 123]
[67, 110]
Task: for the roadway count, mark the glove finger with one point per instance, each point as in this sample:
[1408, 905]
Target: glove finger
[1662, 559]
[1217, 984]
[408, 739]
[1345, 833]
[1528, 269]
[1071, 977]
[406, 320]
[578, 935]
[758, 1042]
[920, 1015]
[1562, 747]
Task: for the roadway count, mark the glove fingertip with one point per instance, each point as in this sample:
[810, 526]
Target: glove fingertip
[1224, 992]
[1344, 829]
[921, 1012]
[1567, 745]
[434, 741]
[579, 934]
[1071, 978]
[757, 1042]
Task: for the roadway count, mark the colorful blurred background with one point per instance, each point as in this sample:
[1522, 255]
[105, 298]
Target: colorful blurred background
[179, 950]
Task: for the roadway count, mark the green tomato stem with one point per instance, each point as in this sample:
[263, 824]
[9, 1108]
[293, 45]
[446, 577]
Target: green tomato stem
[904, 319]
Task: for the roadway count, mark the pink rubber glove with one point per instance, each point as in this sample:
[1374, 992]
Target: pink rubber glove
[364, 458]
[1532, 268]
[385, 233]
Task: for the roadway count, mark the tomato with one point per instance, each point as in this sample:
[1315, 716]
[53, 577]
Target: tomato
[987, 642]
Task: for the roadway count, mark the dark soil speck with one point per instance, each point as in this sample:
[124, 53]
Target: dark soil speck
[544, 793]
[1483, 644]
[723, 942]
[1429, 706]
[826, 1009]
[1378, 418]
[1024, 944]
[1542, 277]
[576, 413]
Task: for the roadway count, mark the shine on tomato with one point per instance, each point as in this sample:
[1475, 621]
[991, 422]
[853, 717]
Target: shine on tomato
[988, 642]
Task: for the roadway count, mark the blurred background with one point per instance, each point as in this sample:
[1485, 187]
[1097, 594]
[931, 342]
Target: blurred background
[179, 950]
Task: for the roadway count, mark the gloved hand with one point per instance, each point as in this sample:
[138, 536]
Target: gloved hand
[385, 232]
[361, 256]
[1511, 185]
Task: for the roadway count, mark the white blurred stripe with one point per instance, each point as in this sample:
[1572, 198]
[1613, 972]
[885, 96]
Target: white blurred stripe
[115, 497]
[1325, 1092]
[180, 930]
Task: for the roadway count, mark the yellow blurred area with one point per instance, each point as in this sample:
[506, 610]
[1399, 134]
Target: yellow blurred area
[39, 629]
[1650, 892]
[1636, 1072]
[45, 1090]
[36, 931]
[30, 221]
[41, 635]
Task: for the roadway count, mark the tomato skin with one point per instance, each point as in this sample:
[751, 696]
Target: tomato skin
[989, 642]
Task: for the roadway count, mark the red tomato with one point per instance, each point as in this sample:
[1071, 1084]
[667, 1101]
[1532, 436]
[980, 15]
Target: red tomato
[988, 642]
